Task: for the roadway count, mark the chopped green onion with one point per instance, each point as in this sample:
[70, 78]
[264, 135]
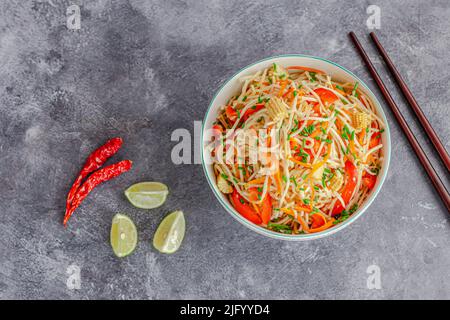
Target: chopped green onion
[294, 181]
[354, 89]
[279, 227]
[308, 130]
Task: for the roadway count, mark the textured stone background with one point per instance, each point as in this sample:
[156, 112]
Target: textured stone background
[139, 70]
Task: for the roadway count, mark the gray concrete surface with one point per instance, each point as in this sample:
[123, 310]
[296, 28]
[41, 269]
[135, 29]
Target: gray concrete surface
[139, 70]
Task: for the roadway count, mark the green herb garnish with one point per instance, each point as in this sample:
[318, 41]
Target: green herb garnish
[308, 130]
[294, 181]
[279, 227]
[354, 93]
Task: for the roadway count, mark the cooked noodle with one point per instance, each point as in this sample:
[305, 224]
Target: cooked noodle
[317, 143]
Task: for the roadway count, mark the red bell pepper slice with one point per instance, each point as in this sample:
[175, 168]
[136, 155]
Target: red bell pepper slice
[252, 110]
[376, 137]
[266, 206]
[374, 141]
[327, 96]
[369, 180]
[266, 209]
[317, 221]
[231, 113]
[351, 173]
[217, 129]
[316, 108]
[244, 208]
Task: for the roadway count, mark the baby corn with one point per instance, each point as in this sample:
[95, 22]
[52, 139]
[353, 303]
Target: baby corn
[336, 181]
[276, 109]
[361, 120]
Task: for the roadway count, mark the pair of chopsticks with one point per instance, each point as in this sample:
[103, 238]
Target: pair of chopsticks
[437, 183]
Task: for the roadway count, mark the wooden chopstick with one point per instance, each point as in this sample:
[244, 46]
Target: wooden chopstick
[437, 183]
[413, 103]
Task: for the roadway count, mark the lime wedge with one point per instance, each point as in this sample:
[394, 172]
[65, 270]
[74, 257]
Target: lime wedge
[170, 233]
[147, 195]
[123, 235]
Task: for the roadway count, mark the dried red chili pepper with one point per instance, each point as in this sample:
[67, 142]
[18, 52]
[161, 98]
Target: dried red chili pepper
[98, 177]
[95, 160]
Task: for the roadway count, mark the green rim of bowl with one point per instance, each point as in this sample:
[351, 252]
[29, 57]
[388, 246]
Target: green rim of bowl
[301, 237]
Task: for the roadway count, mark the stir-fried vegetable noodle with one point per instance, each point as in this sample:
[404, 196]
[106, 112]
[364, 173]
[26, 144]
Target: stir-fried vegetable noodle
[295, 151]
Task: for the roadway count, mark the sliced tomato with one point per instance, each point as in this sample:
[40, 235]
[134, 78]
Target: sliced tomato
[244, 208]
[351, 173]
[369, 180]
[327, 96]
[231, 113]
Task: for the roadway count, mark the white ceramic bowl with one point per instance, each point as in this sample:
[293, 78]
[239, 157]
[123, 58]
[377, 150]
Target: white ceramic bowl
[233, 86]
